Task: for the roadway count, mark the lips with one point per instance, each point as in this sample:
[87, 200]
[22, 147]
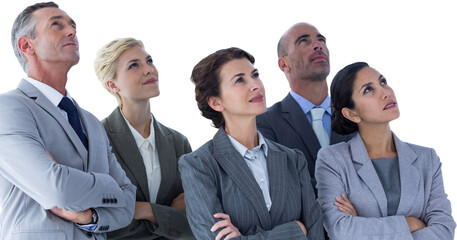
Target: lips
[319, 57]
[390, 105]
[151, 81]
[258, 98]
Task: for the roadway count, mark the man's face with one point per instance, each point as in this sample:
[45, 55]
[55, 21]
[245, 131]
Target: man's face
[308, 56]
[55, 40]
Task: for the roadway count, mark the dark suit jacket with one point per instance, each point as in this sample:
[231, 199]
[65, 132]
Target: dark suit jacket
[217, 179]
[170, 144]
[286, 123]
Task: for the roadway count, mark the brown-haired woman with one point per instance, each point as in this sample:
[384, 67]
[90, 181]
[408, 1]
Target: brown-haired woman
[239, 184]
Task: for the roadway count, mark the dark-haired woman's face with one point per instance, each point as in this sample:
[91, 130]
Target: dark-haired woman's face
[242, 93]
[374, 99]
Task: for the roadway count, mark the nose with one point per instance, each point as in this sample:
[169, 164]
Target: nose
[386, 93]
[318, 45]
[71, 31]
[256, 84]
[148, 69]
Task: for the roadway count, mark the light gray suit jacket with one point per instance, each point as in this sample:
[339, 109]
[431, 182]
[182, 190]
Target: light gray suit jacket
[31, 183]
[217, 179]
[170, 144]
[346, 168]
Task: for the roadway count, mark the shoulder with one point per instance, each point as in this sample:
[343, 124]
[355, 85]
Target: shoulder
[167, 130]
[337, 151]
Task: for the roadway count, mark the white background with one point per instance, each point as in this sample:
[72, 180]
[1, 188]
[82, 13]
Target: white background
[412, 43]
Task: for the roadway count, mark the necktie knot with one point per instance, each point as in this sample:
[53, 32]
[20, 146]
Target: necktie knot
[317, 113]
[67, 105]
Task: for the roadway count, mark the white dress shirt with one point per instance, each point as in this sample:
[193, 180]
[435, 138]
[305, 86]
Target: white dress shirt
[150, 156]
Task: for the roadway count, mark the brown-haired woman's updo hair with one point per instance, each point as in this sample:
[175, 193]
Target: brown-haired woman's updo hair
[341, 91]
[206, 77]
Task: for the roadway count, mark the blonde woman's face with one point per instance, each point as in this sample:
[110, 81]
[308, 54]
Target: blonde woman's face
[137, 79]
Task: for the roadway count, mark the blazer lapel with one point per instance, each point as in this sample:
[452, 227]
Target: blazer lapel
[123, 141]
[42, 101]
[166, 152]
[238, 171]
[367, 172]
[277, 170]
[297, 119]
[410, 177]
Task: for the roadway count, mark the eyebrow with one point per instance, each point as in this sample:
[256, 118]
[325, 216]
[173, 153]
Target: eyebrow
[370, 83]
[302, 36]
[242, 74]
[60, 17]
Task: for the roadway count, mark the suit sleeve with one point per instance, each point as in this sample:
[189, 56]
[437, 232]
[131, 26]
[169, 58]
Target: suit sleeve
[311, 211]
[340, 225]
[438, 218]
[118, 216]
[202, 203]
[25, 163]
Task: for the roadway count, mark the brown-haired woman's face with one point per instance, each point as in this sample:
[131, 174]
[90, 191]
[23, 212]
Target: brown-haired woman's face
[136, 76]
[374, 99]
[242, 92]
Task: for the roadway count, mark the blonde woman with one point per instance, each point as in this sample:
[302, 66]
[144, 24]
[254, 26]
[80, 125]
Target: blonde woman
[147, 150]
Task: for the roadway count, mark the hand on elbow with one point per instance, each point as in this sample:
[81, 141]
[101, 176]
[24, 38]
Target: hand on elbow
[228, 229]
[414, 224]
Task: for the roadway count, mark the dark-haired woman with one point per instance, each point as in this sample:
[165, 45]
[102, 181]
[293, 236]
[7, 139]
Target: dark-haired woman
[239, 184]
[376, 186]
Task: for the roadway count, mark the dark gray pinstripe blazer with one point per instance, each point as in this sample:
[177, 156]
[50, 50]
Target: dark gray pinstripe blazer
[217, 179]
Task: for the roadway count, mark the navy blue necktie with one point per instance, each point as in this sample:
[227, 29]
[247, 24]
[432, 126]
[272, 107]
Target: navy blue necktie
[67, 105]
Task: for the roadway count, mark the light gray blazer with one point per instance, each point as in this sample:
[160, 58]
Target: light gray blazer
[217, 179]
[346, 168]
[31, 183]
[170, 145]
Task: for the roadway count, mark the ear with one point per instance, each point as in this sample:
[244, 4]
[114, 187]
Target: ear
[215, 103]
[25, 45]
[283, 64]
[112, 86]
[351, 115]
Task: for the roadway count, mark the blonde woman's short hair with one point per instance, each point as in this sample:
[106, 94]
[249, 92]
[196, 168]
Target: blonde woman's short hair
[106, 61]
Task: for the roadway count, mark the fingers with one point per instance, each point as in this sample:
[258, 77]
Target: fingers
[345, 206]
[221, 224]
[228, 229]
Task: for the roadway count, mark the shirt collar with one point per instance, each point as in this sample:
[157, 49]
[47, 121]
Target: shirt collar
[137, 136]
[306, 105]
[242, 149]
[50, 93]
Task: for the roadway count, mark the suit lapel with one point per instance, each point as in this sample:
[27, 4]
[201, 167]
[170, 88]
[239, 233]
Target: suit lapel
[277, 170]
[367, 172]
[238, 171]
[410, 177]
[166, 152]
[293, 114]
[44, 103]
[123, 141]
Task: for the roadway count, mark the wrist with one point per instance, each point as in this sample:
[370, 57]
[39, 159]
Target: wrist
[94, 216]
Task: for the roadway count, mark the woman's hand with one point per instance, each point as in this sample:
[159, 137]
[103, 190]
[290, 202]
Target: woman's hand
[414, 224]
[344, 205]
[302, 226]
[178, 202]
[228, 229]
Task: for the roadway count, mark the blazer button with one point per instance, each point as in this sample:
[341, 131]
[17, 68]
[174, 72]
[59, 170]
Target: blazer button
[115, 200]
[104, 200]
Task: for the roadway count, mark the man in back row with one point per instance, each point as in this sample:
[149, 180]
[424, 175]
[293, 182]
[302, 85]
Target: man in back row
[58, 176]
[302, 119]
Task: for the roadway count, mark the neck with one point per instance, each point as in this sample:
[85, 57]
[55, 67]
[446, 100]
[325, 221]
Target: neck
[313, 91]
[56, 77]
[378, 140]
[139, 116]
[244, 131]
